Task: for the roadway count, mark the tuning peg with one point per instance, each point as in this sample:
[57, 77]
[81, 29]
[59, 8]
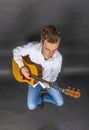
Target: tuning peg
[73, 89]
[78, 90]
[69, 87]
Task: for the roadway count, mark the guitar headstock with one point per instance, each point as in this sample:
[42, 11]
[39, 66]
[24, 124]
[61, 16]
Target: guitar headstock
[72, 92]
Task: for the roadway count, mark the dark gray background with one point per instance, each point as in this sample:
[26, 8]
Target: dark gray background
[21, 21]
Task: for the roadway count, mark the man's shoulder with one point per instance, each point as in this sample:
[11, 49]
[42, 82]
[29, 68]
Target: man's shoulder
[33, 45]
[58, 54]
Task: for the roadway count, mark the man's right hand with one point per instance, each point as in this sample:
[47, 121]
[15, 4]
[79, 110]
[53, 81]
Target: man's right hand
[25, 71]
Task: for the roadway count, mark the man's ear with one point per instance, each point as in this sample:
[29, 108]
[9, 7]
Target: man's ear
[41, 42]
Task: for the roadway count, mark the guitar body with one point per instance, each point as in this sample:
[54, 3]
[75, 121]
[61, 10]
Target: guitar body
[35, 69]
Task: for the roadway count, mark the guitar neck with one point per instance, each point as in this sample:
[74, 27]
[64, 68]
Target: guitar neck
[43, 80]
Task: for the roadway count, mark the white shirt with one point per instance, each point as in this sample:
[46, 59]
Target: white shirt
[51, 67]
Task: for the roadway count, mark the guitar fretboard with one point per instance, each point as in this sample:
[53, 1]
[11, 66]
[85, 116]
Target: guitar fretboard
[43, 80]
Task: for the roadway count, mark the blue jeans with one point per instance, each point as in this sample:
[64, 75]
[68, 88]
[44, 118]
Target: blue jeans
[54, 96]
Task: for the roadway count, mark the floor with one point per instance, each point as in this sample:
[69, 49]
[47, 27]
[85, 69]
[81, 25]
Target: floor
[73, 115]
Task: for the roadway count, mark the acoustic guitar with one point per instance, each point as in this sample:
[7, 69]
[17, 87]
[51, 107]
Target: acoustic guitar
[36, 75]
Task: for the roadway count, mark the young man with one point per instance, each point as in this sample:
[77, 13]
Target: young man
[47, 55]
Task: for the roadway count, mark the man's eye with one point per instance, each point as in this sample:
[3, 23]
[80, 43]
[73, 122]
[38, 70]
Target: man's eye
[47, 49]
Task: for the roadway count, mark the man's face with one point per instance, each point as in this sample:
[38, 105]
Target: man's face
[48, 49]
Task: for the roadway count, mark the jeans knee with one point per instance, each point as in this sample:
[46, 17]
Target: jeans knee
[31, 106]
[60, 103]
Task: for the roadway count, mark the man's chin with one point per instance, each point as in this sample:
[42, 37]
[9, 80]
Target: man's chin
[46, 58]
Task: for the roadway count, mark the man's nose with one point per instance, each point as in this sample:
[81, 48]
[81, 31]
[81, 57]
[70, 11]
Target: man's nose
[51, 53]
